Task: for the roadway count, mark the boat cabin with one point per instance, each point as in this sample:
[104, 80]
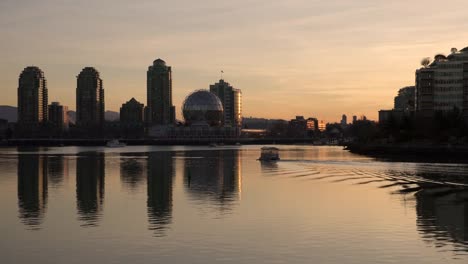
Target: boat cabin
[269, 154]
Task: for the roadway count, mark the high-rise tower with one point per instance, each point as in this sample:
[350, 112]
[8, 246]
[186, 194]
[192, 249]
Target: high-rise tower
[32, 97]
[232, 102]
[89, 98]
[159, 94]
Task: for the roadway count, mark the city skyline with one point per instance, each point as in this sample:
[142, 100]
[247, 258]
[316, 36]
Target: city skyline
[349, 55]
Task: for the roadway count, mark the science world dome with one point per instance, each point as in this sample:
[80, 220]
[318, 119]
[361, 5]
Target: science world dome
[202, 108]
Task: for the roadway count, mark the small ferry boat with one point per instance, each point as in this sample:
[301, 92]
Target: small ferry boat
[115, 144]
[269, 154]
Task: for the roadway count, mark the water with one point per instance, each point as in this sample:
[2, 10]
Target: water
[220, 205]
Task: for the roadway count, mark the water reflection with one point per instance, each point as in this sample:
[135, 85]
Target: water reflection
[90, 187]
[214, 176]
[32, 189]
[442, 209]
[131, 171]
[443, 217]
[160, 180]
[57, 169]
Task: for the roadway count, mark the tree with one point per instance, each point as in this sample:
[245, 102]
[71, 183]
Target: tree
[425, 62]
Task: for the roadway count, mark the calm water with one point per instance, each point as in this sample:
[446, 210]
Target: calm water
[220, 205]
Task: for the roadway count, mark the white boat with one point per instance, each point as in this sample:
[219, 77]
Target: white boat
[115, 144]
[269, 154]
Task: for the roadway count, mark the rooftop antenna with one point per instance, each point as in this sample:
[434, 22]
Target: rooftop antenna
[222, 74]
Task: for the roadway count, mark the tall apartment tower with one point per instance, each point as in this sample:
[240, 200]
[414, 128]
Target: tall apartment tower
[160, 110]
[89, 99]
[443, 84]
[232, 102]
[32, 97]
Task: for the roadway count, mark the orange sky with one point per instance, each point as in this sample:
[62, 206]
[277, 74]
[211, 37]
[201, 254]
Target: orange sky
[296, 57]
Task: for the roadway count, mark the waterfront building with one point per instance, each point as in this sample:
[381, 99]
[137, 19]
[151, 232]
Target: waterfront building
[404, 101]
[297, 127]
[203, 114]
[132, 112]
[231, 98]
[32, 97]
[322, 126]
[312, 124]
[58, 116]
[391, 116]
[443, 84]
[160, 110]
[89, 99]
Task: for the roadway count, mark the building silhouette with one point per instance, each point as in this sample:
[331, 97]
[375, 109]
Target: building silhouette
[443, 84]
[131, 112]
[32, 189]
[404, 101]
[160, 110]
[160, 184]
[231, 98]
[32, 97]
[344, 120]
[58, 116]
[89, 99]
[90, 174]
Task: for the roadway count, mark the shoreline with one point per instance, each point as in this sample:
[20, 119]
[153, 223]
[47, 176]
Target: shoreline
[140, 142]
[412, 152]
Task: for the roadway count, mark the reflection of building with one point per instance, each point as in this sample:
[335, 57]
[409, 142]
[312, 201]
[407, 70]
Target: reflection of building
[32, 189]
[90, 187]
[57, 169]
[32, 97]
[231, 99]
[160, 177]
[159, 94]
[131, 171]
[216, 176]
[89, 98]
[443, 218]
[58, 116]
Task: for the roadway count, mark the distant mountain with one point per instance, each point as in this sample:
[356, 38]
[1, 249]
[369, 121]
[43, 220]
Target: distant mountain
[108, 116]
[9, 113]
[111, 116]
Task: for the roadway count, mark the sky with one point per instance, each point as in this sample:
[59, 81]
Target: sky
[289, 57]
